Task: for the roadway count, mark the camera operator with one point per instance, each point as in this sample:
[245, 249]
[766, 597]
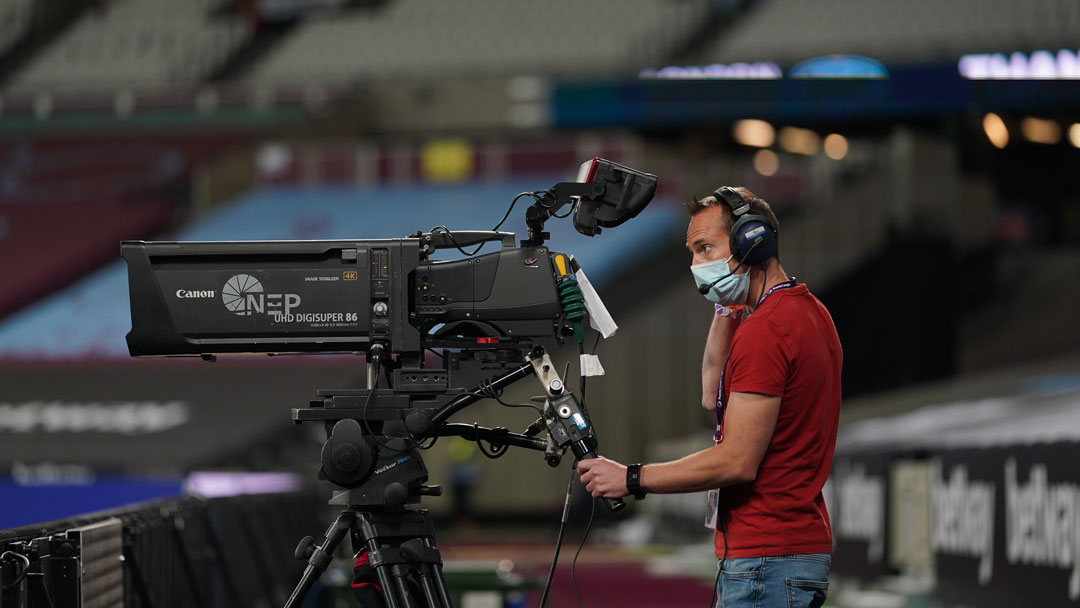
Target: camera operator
[771, 373]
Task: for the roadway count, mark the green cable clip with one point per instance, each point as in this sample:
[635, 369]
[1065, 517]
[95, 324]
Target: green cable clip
[573, 305]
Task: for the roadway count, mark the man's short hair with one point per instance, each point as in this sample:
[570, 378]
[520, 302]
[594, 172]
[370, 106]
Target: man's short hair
[758, 206]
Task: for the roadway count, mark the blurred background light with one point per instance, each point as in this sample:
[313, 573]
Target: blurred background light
[448, 159]
[1040, 131]
[995, 130]
[1040, 65]
[272, 158]
[799, 141]
[735, 71]
[840, 66]
[753, 132]
[836, 146]
[766, 162]
[1074, 134]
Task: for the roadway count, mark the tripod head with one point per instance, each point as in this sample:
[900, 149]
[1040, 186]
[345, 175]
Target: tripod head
[366, 455]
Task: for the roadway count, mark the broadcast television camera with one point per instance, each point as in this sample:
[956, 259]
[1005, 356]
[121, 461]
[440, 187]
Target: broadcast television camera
[343, 296]
[490, 316]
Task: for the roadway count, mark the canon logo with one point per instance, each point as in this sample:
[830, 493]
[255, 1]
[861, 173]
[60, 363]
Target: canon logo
[183, 293]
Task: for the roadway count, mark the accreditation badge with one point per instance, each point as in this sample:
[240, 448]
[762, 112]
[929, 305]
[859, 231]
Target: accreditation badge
[712, 508]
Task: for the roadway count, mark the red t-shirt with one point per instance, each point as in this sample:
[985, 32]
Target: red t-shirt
[788, 348]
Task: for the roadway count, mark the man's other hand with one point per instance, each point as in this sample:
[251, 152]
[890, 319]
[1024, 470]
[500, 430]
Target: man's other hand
[603, 478]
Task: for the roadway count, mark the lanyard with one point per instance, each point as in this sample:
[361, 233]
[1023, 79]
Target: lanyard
[788, 284]
[721, 406]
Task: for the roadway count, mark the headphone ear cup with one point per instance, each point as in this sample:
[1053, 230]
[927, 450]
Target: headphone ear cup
[751, 229]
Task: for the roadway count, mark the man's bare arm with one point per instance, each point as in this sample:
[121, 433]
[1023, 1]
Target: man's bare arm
[712, 363]
[748, 427]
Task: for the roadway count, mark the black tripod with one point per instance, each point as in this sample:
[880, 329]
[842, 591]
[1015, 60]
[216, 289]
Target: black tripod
[399, 542]
[384, 474]
[401, 547]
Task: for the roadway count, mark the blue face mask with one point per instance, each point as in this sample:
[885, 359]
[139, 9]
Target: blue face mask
[727, 288]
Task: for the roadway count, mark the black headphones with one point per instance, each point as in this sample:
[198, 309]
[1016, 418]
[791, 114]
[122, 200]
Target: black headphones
[753, 238]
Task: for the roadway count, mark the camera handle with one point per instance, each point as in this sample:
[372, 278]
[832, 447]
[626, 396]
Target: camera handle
[433, 241]
[567, 420]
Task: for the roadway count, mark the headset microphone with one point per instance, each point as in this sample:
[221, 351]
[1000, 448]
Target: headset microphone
[704, 289]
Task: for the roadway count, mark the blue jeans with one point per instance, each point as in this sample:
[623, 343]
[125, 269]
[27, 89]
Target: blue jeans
[790, 581]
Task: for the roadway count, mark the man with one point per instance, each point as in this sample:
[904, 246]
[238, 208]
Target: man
[771, 372]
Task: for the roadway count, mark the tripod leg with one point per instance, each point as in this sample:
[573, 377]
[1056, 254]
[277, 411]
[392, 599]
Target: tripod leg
[402, 585]
[440, 587]
[431, 572]
[321, 557]
[429, 587]
[386, 584]
[388, 589]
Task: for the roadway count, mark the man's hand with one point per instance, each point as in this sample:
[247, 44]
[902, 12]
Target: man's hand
[603, 478]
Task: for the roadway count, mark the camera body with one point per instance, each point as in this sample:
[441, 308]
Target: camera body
[279, 297]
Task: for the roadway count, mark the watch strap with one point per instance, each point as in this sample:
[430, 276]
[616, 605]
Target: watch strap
[633, 481]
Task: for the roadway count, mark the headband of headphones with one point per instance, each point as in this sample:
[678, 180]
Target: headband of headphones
[753, 237]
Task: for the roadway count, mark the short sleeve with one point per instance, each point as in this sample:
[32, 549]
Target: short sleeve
[759, 360]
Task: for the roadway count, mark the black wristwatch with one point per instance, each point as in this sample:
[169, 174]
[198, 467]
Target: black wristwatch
[633, 481]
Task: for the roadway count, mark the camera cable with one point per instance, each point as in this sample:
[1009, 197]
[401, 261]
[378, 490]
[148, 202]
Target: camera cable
[487, 391]
[573, 564]
[540, 200]
[506, 215]
[377, 363]
[558, 541]
[511, 208]
[22, 573]
[450, 233]
[592, 508]
[566, 511]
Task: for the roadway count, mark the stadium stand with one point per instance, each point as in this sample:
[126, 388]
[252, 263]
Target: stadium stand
[938, 249]
[137, 45]
[788, 31]
[425, 38]
[15, 18]
[89, 193]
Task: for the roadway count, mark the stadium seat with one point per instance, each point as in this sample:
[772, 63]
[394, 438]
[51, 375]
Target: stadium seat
[15, 19]
[426, 38]
[137, 45]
